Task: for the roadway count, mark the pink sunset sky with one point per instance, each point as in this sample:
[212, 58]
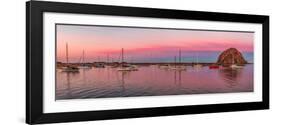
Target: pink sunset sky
[101, 43]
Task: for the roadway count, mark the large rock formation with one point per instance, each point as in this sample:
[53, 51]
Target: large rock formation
[231, 56]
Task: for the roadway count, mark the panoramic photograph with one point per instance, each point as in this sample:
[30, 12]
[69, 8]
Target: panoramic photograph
[95, 61]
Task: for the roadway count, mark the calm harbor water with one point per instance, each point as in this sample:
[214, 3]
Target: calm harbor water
[151, 81]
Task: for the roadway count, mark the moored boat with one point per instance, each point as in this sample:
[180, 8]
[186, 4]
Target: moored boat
[130, 68]
[178, 66]
[84, 65]
[214, 66]
[126, 67]
[166, 66]
[69, 68]
[99, 65]
[234, 66]
[197, 65]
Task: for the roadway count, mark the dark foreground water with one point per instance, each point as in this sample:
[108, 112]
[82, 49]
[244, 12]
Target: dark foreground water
[151, 81]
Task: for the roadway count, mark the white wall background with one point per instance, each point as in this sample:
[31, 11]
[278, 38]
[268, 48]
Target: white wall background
[12, 61]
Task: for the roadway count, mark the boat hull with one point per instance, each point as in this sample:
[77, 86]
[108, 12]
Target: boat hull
[214, 67]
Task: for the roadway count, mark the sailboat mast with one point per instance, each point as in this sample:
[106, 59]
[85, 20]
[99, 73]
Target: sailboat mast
[197, 58]
[122, 54]
[107, 58]
[175, 60]
[83, 57]
[66, 53]
[180, 56]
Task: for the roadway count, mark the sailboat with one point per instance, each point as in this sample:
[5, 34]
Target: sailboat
[197, 65]
[164, 66]
[126, 67]
[99, 64]
[69, 68]
[233, 65]
[178, 67]
[84, 65]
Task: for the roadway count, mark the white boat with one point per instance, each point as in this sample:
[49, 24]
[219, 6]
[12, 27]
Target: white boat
[130, 68]
[69, 68]
[84, 65]
[126, 67]
[177, 68]
[164, 66]
[197, 65]
[234, 66]
[134, 68]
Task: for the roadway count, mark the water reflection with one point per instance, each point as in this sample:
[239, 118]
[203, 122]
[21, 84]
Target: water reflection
[123, 80]
[177, 77]
[230, 76]
[150, 81]
[68, 77]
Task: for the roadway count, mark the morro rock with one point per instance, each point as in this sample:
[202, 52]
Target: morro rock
[231, 56]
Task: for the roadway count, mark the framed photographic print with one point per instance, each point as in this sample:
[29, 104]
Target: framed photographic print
[95, 62]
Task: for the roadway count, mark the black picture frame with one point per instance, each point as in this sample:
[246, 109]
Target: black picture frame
[34, 61]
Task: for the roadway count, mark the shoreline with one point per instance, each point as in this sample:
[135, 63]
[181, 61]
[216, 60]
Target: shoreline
[145, 64]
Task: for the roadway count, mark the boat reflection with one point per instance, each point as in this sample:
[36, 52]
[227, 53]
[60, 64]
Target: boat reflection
[177, 77]
[68, 77]
[122, 80]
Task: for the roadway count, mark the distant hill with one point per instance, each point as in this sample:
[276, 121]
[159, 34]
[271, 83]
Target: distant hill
[231, 56]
